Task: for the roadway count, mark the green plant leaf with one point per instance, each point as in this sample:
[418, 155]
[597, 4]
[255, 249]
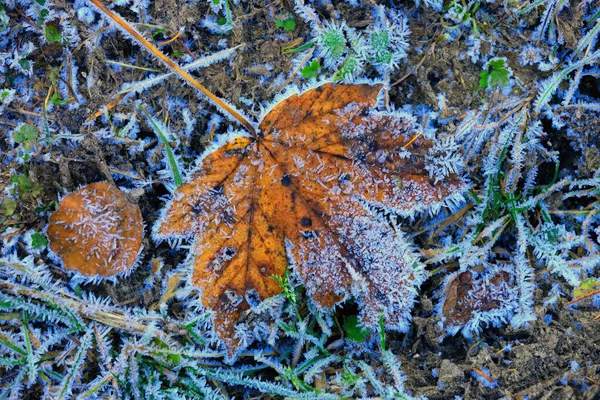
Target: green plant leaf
[350, 68]
[483, 79]
[354, 330]
[499, 77]
[380, 40]
[26, 136]
[38, 240]
[57, 101]
[287, 24]
[6, 95]
[586, 287]
[311, 70]
[161, 133]
[9, 206]
[496, 74]
[52, 34]
[24, 63]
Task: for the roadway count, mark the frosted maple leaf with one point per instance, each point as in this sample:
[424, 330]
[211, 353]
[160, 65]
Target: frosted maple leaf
[308, 190]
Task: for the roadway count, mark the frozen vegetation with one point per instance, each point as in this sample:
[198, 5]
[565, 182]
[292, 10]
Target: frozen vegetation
[478, 194]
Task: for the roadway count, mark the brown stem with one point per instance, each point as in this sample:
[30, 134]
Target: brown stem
[583, 297]
[187, 77]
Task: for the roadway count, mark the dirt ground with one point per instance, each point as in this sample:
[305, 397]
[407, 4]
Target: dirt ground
[558, 357]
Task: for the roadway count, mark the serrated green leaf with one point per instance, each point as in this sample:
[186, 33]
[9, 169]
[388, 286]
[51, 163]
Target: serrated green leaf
[496, 75]
[499, 77]
[287, 24]
[311, 70]
[26, 136]
[483, 79]
[38, 240]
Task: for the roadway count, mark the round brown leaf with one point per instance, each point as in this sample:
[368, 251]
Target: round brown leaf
[96, 231]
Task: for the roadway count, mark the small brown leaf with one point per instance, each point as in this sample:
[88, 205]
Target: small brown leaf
[96, 231]
[465, 297]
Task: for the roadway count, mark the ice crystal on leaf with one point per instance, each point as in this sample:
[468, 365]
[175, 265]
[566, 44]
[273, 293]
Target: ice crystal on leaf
[96, 231]
[303, 191]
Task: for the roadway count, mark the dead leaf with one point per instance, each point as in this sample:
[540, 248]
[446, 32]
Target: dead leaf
[96, 231]
[303, 192]
[466, 296]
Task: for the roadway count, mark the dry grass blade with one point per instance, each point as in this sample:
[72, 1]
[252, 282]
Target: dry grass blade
[583, 297]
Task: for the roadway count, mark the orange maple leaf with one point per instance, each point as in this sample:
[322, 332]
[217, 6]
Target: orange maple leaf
[304, 191]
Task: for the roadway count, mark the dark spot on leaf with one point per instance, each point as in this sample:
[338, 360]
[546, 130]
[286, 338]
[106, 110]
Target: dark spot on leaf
[286, 181]
[264, 269]
[373, 146]
[306, 222]
[229, 252]
[217, 190]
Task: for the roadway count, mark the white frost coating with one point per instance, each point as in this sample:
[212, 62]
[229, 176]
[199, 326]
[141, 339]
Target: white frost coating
[138, 87]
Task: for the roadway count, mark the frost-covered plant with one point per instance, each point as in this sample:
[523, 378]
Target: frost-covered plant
[511, 212]
[6, 97]
[22, 79]
[548, 87]
[222, 24]
[462, 13]
[546, 25]
[347, 52]
[140, 354]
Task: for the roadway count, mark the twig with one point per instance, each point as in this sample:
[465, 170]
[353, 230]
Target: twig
[183, 74]
[583, 297]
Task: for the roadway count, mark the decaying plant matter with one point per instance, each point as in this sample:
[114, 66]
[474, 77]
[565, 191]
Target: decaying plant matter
[96, 231]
